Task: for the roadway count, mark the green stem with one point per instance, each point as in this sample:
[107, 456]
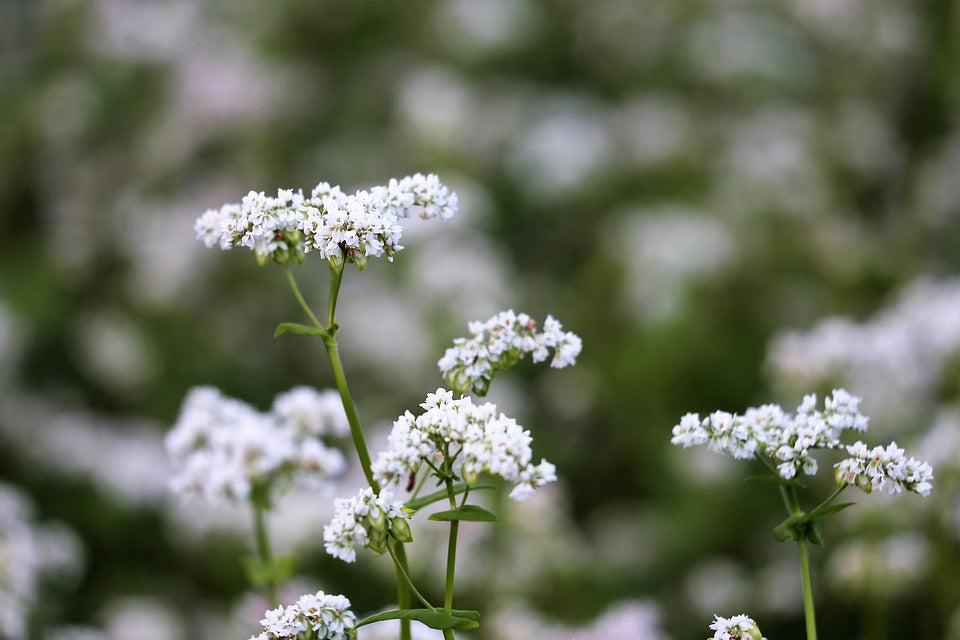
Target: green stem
[351, 410]
[451, 559]
[299, 297]
[399, 558]
[809, 611]
[833, 496]
[263, 550]
[336, 278]
[808, 608]
[404, 587]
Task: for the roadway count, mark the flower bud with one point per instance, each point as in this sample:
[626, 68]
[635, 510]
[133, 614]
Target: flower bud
[335, 262]
[378, 541]
[400, 529]
[360, 260]
[376, 519]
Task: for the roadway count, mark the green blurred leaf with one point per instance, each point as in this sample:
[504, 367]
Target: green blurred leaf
[828, 510]
[456, 619]
[437, 496]
[260, 573]
[468, 512]
[299, 329]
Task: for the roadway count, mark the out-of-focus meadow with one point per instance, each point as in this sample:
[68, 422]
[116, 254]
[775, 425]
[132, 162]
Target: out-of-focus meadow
[731, 202]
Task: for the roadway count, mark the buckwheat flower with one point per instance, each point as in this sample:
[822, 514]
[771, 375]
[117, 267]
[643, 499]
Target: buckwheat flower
[224, 448]
[788, 440]
[478, 437]
[738, 627]
[310, 412]
[283, 622]
[340, 227]
[328, 616]
[500, 342]
[885, 469]
[366, 520]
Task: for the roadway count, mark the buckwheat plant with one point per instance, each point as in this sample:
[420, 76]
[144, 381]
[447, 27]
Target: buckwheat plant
[227, 451]
[783, 444]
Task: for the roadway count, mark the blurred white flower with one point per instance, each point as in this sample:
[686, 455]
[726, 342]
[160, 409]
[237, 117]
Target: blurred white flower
[727, 45]
[568, 143]
[114, 350]
[878, 567]
[896, 358]
[633, 619]
[77, 443]
[29, 552]
[477, 28]
[133, 618]
[664, 250]
[224, 449]
[717, 584]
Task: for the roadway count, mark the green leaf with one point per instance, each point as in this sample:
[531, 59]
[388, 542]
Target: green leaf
[299, 329]
[437, 496]
[814, 532]
[790, 529]
[260, 573]
[771, 479]
[456, 619]
[468, 512]
[828, 510]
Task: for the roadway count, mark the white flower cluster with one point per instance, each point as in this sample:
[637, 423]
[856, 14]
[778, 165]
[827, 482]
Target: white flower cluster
[223, 447]
[340, 227]
[479, 438]
[28, 552]
[738, 627]
[885, 469]
[366, 520]
[898, 357]
[324, 617]
[500, 342]
[768, 430]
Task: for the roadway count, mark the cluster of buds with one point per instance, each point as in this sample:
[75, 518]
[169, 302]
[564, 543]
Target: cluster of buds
[366, 520]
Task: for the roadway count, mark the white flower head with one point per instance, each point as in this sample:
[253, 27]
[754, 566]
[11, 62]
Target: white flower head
[787, 440]
[328, 616]
[885, 469]
[738, 627]
[478, 437]
[500, 342]
[224, 448]
[340, 227]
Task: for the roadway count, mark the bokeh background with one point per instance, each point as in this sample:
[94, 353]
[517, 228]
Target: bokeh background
[732, 202]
